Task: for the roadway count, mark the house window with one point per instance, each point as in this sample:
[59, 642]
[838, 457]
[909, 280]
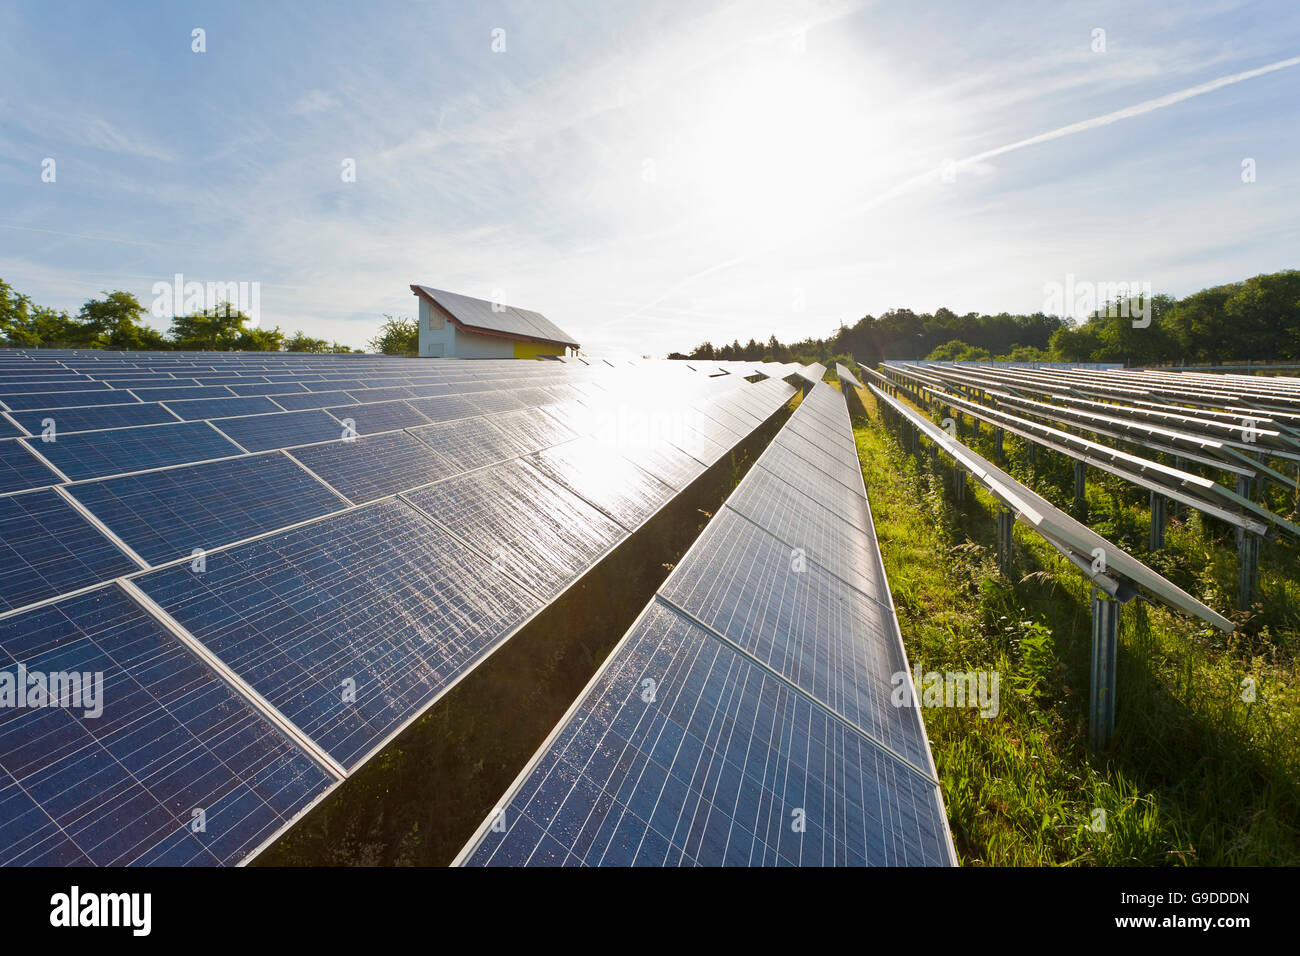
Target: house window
[435, 320]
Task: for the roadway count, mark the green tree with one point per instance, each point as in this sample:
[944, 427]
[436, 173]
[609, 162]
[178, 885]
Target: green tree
[117, 322]
[397, 336]
[214, 329]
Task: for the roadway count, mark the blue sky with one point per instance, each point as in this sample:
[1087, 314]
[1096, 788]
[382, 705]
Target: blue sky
[647, 175]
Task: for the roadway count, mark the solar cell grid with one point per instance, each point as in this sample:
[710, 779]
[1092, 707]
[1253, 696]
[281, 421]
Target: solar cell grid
[112, 396]
[120, 788]
[47, 548]
[205, 408]
[530, 528]
[364, 469]
[20, 469]
[710, 770]
[164, 515]
[468, 443]
[379, 417]
[613, 484]
[280, 430]
[341, 599]
[826, 638]
[98, 454]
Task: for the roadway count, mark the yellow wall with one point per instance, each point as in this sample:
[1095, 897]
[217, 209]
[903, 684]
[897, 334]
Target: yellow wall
[531, 350]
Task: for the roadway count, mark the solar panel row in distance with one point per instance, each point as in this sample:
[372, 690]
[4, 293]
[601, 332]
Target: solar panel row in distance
[98, 417]
[161, 743]
[746, 718]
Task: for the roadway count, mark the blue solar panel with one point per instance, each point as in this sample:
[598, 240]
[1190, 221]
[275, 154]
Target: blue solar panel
[468, 443]
[166, 514]
[830, 640]
[223, 407]
[281, 430]
[530, 528]
[301, 400]
[98, 454]
[176, 393]
[8, 429]
[713, 762]
[364, 469]
[369, 395]
[47, 549]
[73, 385]
[172, 739]
[113, 396]
[93, 419]
[377, 596]
[20, 469]
[379, 417]
[444, 408]
[270, 388]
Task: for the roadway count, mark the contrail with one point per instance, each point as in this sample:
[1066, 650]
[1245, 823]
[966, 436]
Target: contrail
[1146, 106]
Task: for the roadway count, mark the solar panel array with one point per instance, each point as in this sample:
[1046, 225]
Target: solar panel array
[1178, 426]
[746, 717]
[272, 563]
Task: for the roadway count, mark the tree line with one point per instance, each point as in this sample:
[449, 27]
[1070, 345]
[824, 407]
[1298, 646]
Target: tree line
[1255, 319]
[117, 322]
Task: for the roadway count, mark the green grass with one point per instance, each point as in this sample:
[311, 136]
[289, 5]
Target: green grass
[1196, 775]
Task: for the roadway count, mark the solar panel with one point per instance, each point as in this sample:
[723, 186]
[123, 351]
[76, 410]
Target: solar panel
[172, 739]
[531, 429]
[808, 626]
[531, 529]
[222, 407]
[98, 454]
[68, 399]
[280, 430]
[467, 444]
[368, 395]
[178, 393]
[47, 548]
[684, 752]
[378, 596]
[167, 514]
[363, 469]
[8, 429]
[610, 482]
[379, 417]
[301, 400]
[445, 408]
[799, 520]
[20, 469]
[271, 388]
[95, 418]
[497, 401]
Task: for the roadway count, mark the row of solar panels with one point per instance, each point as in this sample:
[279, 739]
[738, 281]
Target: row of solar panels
[324, 611]
[1078, 543]
[746, 717]
[1239, 447]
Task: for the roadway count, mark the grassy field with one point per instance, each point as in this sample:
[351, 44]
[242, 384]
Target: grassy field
[1197, 774]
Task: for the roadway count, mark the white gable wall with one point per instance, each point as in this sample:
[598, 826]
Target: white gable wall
[439, 338]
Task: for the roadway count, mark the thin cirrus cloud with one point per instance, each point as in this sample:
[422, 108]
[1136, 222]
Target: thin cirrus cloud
[650, 177]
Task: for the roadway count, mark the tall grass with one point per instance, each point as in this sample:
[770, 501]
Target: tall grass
[1197, 774]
